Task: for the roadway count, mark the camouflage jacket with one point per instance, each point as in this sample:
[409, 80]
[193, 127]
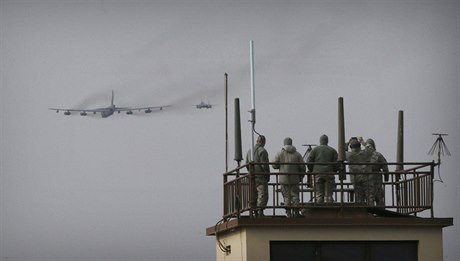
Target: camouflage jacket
[323, 154]
[289, 154]
[260, 155]
[359, 156]
[377, 157]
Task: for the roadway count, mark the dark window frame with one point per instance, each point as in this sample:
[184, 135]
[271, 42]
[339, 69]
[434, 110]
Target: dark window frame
[372, 250]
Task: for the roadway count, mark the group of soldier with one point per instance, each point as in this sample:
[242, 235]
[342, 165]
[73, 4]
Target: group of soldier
[365, 167]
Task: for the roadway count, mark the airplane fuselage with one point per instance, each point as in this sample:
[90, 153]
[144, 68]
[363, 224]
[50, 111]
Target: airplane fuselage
[107, 112]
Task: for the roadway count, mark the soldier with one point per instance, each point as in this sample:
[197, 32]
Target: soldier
[290, 183]
[376, 191]
[262, 171]
[324, 182]
[359, 173]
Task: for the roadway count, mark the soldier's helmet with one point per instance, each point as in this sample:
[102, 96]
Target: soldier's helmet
[370, 142]
[261, 139]
[287, 141]
[323, 140]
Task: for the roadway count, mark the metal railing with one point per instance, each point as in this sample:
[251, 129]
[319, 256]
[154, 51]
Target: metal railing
[407, 192]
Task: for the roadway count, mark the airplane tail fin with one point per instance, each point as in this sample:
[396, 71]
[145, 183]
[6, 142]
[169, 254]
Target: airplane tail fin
[112, 98]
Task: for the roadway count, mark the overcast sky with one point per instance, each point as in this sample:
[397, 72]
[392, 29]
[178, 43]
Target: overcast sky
[145, 187]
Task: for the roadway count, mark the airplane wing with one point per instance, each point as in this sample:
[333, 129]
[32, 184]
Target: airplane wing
[145, 109]
[108, 110]
[81, 111]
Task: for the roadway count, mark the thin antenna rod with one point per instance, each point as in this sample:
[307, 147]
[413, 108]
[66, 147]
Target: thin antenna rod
[226, 122]
[253, 98]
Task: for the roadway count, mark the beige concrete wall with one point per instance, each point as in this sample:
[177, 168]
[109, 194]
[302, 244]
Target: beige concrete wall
[237, 241]
[253, 243]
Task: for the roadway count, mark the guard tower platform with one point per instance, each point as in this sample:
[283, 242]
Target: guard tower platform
[403, 228]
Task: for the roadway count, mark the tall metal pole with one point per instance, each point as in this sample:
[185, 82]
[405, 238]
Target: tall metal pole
[238, 151]
[341, 138]
[341, 147]
[253, 98]
[226, 122]
[399, 154]
[400, 142]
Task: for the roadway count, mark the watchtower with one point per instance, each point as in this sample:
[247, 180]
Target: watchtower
[340, 230]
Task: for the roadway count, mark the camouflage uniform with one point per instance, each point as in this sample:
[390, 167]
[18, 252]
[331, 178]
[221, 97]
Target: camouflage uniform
[290, 183]
[262, 174]
[376, 192]
[324, 184]
[359, 173]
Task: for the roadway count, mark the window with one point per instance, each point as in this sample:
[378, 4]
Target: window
[343, 250]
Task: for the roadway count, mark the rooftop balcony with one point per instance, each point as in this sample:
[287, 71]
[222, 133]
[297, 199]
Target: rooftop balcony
[408, 192]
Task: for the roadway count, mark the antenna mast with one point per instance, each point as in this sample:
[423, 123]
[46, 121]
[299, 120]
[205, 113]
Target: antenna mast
[253, 99]
[226, 122]
[439, 146]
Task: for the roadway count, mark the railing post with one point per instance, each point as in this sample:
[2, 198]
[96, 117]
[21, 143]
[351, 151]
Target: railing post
[225, 198]
[342, 177]
[238, 197]
[432, 187]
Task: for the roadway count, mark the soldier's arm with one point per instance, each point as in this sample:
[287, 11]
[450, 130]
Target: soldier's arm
[276, 160]
[335, 167]
[302, 167]
[247, 159]
[264, 159]
[310, 159]
[384, 167]
[385, 163]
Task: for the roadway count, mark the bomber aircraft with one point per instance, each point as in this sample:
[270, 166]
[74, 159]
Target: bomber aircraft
[108, 111]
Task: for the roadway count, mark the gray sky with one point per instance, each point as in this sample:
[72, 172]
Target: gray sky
[145, 187]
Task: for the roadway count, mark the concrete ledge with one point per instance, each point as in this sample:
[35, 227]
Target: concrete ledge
[322, 220]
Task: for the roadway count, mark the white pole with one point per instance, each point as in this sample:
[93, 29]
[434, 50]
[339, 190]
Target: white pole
[253, 98]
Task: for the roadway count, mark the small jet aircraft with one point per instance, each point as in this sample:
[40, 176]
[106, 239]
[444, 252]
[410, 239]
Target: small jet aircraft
[202, 105]
[108, 111]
